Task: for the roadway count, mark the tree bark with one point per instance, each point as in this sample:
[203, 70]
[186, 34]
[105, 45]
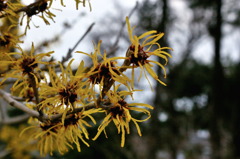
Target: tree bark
[217, 106]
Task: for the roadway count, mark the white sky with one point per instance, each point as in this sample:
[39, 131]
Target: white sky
[69, 13]
[101, 10]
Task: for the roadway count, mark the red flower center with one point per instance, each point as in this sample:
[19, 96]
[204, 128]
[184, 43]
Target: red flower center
[141, 56]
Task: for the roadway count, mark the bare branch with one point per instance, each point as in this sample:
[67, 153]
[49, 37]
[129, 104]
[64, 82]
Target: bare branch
[20, 99]
[66, 27]
[14, 120]
[7, 97]
[5, 118]
[70, 51]
[3, 110]
[114, 47]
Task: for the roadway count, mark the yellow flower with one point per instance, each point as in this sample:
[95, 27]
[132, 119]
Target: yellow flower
[3, 66]
[57, 136]
[8, 40]
[26, 92]
[102, 72]
[139, 52]
[8, 8]
[23, 65]
[119, 112]
[64, 92]
[48, 138]
[75, 127]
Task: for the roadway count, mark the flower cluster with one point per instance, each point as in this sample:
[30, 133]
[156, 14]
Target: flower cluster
[139, 53]
[62, 101]
[8, 40]
[105, 69]
[55, 135]
[119, 112]
[24, 67]
[10, 8]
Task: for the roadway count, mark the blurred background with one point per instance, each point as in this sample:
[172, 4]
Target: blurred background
[196, 115]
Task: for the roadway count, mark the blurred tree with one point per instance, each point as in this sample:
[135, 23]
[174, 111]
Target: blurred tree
[189, 78]
[171, 134]
[216, 103]
[155, 15]
[209, 87]
[232, 87]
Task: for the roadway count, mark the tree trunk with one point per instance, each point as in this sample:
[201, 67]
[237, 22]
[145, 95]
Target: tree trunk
[217, 106]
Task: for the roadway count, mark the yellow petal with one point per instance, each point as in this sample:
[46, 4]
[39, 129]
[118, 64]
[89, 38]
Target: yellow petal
[147, 33]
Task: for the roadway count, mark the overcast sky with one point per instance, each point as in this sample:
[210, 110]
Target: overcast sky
[102, 9]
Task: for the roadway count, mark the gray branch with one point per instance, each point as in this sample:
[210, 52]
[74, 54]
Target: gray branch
[8, 98]
[14, 120]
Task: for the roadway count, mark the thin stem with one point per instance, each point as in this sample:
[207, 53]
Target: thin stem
[35, 91]
[115, 44]
[17, 119]
[3, 111]
[70, 51]
[43, 118]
